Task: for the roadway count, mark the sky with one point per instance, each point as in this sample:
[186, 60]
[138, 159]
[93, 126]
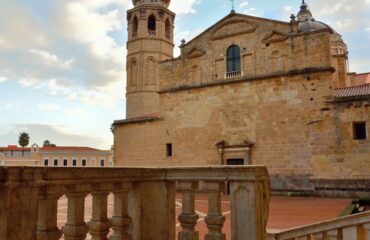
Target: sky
[62, 62]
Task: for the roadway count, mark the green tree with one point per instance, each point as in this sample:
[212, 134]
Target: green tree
[47, 143]
[24, 139]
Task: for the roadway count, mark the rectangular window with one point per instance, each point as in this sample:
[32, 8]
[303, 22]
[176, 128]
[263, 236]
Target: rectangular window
[65, 162]
[55, 162]
[102, 163]
[46, 162]
[83, 162]
[169, 149]
[74, 162]
[359, 131]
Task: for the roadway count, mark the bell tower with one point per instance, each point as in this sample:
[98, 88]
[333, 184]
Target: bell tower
[150, 40]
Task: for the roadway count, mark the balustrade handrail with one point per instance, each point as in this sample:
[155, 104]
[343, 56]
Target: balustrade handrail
[29, 196]
[325, 226]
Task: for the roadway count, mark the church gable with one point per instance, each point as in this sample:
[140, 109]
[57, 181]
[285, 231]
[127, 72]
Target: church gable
[233, 27]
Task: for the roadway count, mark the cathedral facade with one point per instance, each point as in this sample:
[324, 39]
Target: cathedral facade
[246, 91]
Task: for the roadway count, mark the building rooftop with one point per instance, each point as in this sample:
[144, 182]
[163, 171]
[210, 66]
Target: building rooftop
[355, 91]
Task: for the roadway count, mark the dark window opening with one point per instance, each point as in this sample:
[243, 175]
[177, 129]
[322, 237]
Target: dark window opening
[152, 23]
[359, 131]
[233, 59]
[102, 163]
[55, 162]
[83, 162]
[235, 162]
[46, 162]
[169, 149]
[65, 162]
[74, 162]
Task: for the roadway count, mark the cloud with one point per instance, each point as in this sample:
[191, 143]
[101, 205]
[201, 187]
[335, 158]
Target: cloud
[184, 7]
[58, 134]
[288, 8]
[48, 107]
[243, 4]
[367, 29]
[341, 13]
[51, 59]
[3, 79]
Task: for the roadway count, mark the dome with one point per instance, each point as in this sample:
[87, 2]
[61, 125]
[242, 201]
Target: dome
[311, 25]
[306, 22]
[165, 3]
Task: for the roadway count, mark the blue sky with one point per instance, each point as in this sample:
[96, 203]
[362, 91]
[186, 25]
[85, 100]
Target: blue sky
[62, 75]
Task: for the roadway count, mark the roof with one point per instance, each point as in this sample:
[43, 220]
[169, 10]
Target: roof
[355, 91]
[15, 148]
[362, 78]
[67, 149]
[51, 149]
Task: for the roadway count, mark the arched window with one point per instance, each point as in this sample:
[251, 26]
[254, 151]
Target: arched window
[151, 25]
[233, 59]
[135, 26]
[168, 29]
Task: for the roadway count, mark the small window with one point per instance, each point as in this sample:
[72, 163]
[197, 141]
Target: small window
[83, 162]
[359, 131]
[55, 162]
[74, 162]
[46, 162]
[151, 23]
[102, 163]
[65, 162]
[169, 149]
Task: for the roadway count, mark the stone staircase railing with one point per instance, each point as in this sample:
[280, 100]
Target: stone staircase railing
[353, 227]
[144, 202]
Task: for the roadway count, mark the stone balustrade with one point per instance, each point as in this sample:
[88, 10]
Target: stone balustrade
[144, 202]
[152, 32]
[353, 227]
[233, 74]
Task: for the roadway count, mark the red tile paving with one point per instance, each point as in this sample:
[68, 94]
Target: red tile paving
[285, 212]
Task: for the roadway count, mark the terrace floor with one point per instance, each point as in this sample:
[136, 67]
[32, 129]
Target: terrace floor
[285, 212]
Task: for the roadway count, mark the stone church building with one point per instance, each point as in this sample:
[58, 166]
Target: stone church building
[247, 90]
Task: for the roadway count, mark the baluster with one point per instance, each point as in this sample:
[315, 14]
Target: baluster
[99, 224]
[47, 228]
[214, 220]
[121, 220]
[363, 232]
[340, 234]
[188, 218]
[310, 237]
[75, 228]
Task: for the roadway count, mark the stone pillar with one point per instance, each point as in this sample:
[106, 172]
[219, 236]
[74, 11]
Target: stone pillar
[75, 228]
[47, 228]
[188, 218]
[18, 204]
[99, 224]
[121, 220]
[214, 219]
[249, 211]
[154, 211]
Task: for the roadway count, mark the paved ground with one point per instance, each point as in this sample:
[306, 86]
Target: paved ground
[285, 212]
